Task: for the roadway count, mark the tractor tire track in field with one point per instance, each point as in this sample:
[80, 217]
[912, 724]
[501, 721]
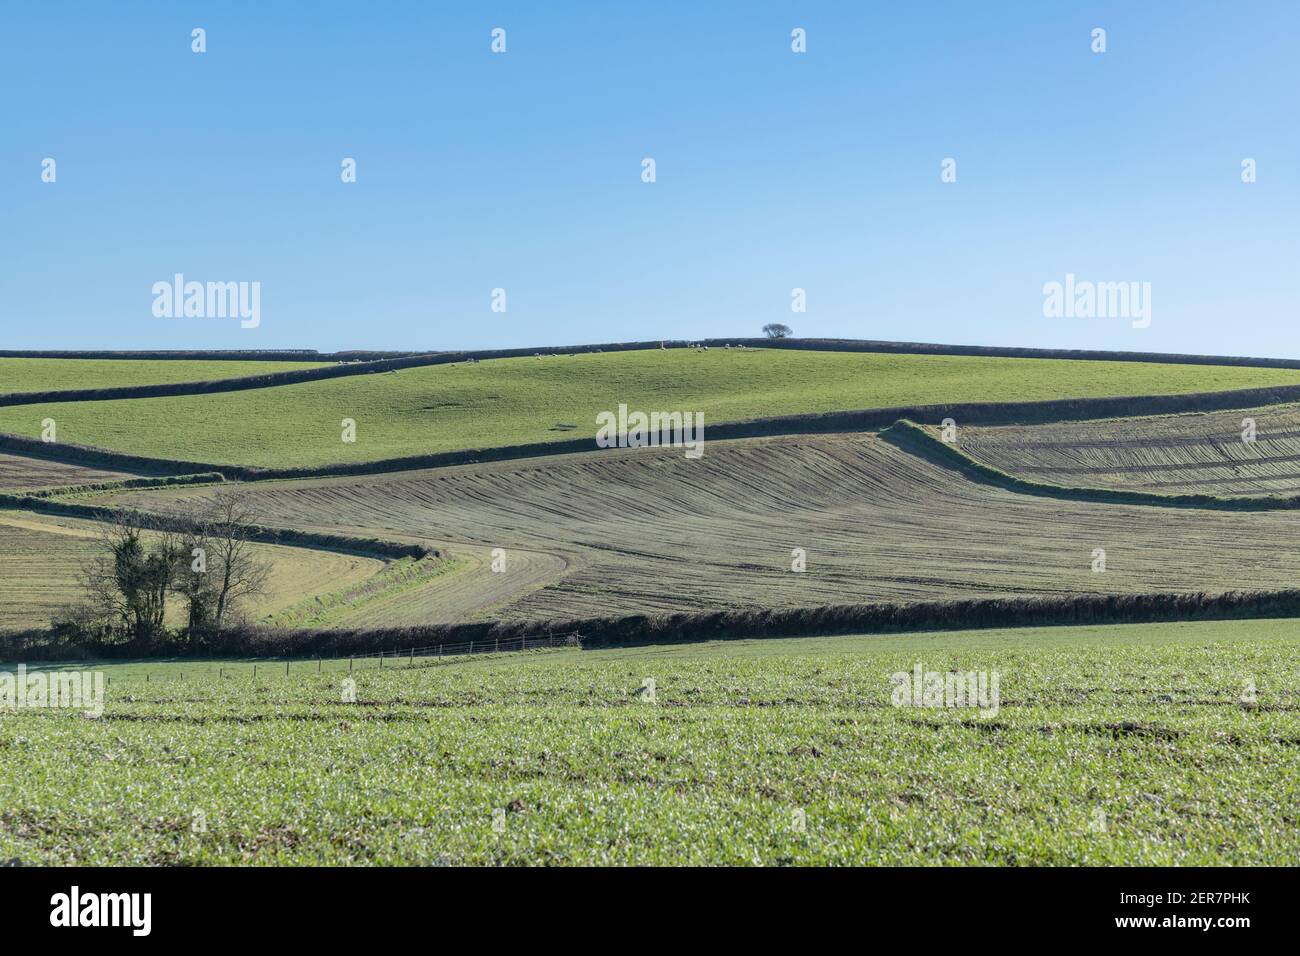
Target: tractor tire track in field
[646, 531]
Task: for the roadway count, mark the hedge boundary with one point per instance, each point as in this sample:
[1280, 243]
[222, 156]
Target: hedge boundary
[365, 363]
[341, 543]
[688, 627]
[863, 420]
[206, 478]
[915, 440]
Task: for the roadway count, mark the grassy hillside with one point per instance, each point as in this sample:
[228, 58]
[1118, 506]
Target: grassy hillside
[41, 557]
[509, 401]
[647, 530]
[1121, 745]
[56, 374]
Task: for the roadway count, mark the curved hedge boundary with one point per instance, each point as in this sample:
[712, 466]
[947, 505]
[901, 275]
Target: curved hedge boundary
[344, 544]
[208, 478]
[915, 440]
[871, 419]
[816, 344]
[70, 454]
[882, 618]
[365, 363]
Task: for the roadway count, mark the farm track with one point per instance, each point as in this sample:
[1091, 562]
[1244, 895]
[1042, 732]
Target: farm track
[647, 531]
[1168, 454]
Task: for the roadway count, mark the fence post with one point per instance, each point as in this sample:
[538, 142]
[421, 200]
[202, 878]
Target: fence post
[439, 652]
[411, 660]
[381, 660]
[254, 672]
[471, 647]
[349, 665]
[497, 647]
[318, 665]
[286, 668]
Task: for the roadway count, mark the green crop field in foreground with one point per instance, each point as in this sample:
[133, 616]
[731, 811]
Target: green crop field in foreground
[1119, 745]
[510, 401]
[45, 375]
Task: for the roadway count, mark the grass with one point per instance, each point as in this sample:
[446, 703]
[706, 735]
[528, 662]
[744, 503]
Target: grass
[57, 374]
[1119, 745]
[41, 558]
[511, 401]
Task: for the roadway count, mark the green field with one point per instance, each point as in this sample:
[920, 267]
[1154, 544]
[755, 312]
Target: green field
[57, 374]
[1120, 745]
[510, 401]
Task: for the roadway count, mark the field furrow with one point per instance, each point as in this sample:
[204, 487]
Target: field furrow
[1167, 454]
[647, 530]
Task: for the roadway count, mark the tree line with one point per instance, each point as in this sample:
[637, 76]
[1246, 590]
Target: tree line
[147, 563]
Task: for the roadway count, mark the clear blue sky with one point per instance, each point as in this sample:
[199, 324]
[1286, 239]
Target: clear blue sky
[775, 171]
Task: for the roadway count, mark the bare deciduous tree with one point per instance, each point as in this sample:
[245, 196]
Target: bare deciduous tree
[236, 572]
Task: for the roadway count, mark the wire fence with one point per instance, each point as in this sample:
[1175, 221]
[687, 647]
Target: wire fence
[487, 646]
[381, 660]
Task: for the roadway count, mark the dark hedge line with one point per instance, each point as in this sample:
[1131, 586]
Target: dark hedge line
[358, 363]
[269, 380]
[346, 544]
[827, 620]
[214, 355]
[871, 419]
[70, 454]
[996, 351]
[364, 363]
[206, 478]
[915, 440]
[826, 345]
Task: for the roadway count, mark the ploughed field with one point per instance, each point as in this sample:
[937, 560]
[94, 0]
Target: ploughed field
[41, 559]
[18, 473]
[58, 374]
[552, 398]
[1151, 744]
[1199, 453]
[646, 530]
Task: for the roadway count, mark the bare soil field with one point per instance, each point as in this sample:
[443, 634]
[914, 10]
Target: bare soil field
[1201, 453]
[20, 473]
[647, 530]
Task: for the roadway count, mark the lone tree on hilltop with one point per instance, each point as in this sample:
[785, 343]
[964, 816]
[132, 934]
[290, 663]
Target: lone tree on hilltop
[775, 330]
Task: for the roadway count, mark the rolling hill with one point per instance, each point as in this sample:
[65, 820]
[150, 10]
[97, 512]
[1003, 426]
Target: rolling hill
[503, 402]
